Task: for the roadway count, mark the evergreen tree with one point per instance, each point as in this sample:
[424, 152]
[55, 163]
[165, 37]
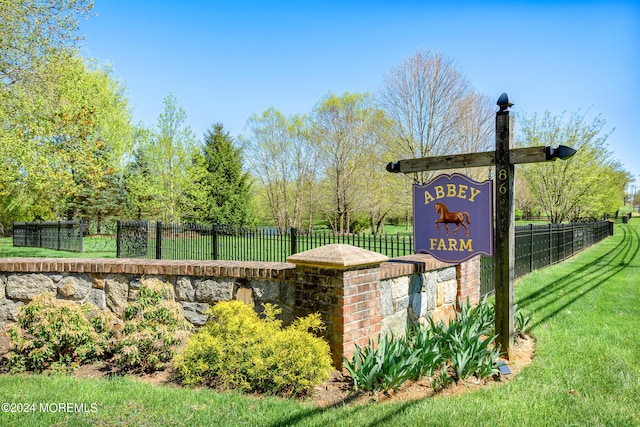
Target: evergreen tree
[220, 191]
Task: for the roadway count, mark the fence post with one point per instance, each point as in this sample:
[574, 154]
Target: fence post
[81, 235]
[294, 241]
[530, 248]
[550, 245]
[118, 239]
[573, 239]
[158, 239]
[214, 241]
[565, 227]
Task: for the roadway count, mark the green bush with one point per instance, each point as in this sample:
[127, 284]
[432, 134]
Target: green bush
[59, 334]
[360, 224]
[154, 327]
[237, 349]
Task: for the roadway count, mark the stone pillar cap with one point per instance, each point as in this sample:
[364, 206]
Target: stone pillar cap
[338, 257]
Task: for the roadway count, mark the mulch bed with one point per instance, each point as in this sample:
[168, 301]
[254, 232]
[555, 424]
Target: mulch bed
[336, 390]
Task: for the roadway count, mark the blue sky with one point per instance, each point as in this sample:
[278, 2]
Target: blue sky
[227, 60]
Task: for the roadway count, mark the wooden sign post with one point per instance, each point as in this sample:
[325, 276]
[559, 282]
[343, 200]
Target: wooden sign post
[504, 251]
[503, 158]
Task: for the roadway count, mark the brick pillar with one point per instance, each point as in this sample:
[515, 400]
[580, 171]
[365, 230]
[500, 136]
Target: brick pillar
[342, 283]
[468, 276]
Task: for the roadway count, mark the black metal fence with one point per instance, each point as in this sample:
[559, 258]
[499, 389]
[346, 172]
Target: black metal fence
[538, 246]
[58, 235]
[150, 239]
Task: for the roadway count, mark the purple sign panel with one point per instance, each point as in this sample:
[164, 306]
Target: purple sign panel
[453, 218]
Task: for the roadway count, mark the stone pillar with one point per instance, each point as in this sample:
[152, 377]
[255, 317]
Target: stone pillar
[342, 283]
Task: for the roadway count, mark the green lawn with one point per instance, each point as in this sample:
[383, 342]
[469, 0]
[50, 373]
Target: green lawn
[586, 371]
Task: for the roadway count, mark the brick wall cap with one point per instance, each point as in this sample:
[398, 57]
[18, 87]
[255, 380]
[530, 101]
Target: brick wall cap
[337, 256]
[233, 269]
[422, 262]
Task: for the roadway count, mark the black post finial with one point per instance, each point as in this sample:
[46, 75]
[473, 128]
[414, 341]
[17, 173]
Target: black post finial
[503, 102]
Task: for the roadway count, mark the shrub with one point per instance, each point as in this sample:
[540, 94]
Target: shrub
[360, 224]
[59, 334]
[239, 350]
[154, 327]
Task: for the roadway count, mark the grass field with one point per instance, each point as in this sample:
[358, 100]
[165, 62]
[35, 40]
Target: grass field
[586, 371]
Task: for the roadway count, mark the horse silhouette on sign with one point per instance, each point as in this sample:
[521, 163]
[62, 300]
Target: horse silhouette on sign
[447, 218]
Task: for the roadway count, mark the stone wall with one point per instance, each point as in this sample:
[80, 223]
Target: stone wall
[417, 297]
[111, 283]
[417, 287]
[358, 293]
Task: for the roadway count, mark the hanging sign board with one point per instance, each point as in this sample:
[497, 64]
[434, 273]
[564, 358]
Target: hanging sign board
[453, 218]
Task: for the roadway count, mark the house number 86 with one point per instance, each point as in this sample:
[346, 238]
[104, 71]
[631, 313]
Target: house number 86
[502, 176]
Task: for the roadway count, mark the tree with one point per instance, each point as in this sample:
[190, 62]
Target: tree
[348, 132]
[474, 131]
[423, 97]
[66, 139]
[524, 199]
[220, 192]
[588, 185]
[32, 34]
[434, 111]
[634, 199]
[159, 178]
[137, 180]
[383, 190]
[35, 30]
[92, 133]
[282, 160]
